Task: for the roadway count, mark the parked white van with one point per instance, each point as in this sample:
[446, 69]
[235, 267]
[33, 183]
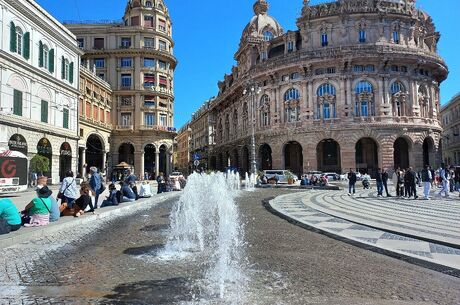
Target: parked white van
[282, 175]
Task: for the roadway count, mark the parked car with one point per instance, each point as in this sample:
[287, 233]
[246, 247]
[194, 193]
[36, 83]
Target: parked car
[282, 175]
[332, 176]
[176, 175]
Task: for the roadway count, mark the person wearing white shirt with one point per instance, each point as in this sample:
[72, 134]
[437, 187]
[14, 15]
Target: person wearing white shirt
[145, 190]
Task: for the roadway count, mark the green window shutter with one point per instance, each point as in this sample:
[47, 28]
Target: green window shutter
[44, 111]
[17, 102]
[65, 123]
[62, 67]
[13, 38]
[26, 53]
[71, 73]
[40, 53]
[51, 61]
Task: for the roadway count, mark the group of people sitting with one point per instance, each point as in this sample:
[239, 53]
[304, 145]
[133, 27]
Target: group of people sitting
[168, 184]
[314, 180]
[45, 208]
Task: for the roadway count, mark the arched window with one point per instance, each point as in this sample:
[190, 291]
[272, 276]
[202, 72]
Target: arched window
[235, 123]
[364, 105]
[324, 40]
[268, 35]
[399, 98]
[326, 105]
[148, 3]
[19, 36]
[362, 36]
[291, 94]
[264, 109]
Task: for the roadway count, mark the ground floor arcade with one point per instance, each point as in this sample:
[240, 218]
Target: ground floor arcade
[333, 151]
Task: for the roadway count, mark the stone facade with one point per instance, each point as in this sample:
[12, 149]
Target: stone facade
[95, 121]
[355, 86]
[182, 151]
[136, 58]
[39, 65]
[450, 115]
[202, 136]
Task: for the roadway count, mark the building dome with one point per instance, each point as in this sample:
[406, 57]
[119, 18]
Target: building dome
[262, 25]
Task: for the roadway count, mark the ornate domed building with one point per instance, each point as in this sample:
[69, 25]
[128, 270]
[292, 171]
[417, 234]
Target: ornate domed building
[355, 86]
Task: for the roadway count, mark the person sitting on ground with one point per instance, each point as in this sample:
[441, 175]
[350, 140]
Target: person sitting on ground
[10, 219]
[145, 191]
[55, 213]
[83, 202]
[127, 194]
[37, 212]
[133, 187]
[112, 198]
[130, 178]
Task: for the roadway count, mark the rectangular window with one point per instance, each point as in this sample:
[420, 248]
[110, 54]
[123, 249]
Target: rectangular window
[99, 62]
[101, 115]
[98, 43]
[88, 110]
[358, 68]
[162, 45]
[149, 62]
[163, 82]
[135, 21]
[65, 118]
[394, 68]
[290, 46]
[107, 117]
[126, 62]
[295, 75]
[369, 68]
[148, 21]
[149, 42]
[324, 41]
[126, 80]
[362, 36]
[126, 119]
[17, 102]
[81, 43]
[149, 79]
[264, 55]
[44, 111]
[163, 120]
[396, 37]
[149, 119]
[162, 25]
[162, 65]
[149, 101]
[125, 42]
[330, 70]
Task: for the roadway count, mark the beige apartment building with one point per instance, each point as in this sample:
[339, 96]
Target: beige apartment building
[136, 58]
[182, 160]
[95, 125]
[356, 85]
[450, 114]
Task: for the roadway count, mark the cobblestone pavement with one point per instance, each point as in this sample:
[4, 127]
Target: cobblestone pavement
[115, 263]
[419, 229]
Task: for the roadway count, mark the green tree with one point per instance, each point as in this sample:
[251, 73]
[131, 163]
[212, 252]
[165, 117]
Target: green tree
[40, 164]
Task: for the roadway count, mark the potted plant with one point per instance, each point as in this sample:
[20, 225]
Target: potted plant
[290, 178]
[40, 164]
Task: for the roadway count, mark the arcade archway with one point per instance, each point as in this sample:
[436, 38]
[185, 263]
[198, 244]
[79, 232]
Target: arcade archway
[293, 158]
[328, 154]
[401, 153]
[126, 153]
[367, 157]
[265, 156]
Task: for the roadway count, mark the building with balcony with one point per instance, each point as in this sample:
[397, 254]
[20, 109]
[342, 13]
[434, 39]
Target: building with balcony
[136, 58]
[39, 66]
[356, 85]
[95, 121]
[202, 134]
[450, 115]
[182, 160]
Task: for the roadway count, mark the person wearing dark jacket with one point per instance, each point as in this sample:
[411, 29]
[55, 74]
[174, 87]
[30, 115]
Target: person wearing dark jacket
[351, 182]
[83, 201]
[379, 182]
[112, 198]
[385, 177]
[412, 181]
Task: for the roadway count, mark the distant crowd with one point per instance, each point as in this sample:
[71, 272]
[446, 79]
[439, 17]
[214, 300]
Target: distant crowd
[74, 200]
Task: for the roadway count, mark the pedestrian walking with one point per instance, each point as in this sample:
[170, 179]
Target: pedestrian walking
[412, 182]
[379, 182]
[95, 182]
[426, 180]
[385, 178]
[444, 177]
[352, 178]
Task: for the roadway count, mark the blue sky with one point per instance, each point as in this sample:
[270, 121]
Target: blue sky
[207, 34]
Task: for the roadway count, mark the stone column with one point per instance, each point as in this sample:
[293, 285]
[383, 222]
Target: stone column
[139, 163]
[104, 161]
[157, 162]
[386, 155]
[348, 157]
[168, 163]
[83, 162]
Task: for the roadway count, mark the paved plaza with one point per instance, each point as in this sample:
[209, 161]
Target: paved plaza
[422, 230]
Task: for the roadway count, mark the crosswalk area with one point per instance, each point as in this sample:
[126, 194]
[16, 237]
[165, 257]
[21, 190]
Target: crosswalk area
[425, 230]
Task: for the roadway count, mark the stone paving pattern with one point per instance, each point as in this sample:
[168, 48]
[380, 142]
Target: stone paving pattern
[414, 228]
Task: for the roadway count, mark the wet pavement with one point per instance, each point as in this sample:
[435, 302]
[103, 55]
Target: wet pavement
[114, 262]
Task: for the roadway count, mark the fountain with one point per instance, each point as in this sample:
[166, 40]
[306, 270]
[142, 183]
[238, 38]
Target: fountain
[205, 223]
[250, 182]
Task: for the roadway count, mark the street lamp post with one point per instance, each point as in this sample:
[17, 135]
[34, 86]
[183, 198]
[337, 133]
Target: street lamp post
[253, 91]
